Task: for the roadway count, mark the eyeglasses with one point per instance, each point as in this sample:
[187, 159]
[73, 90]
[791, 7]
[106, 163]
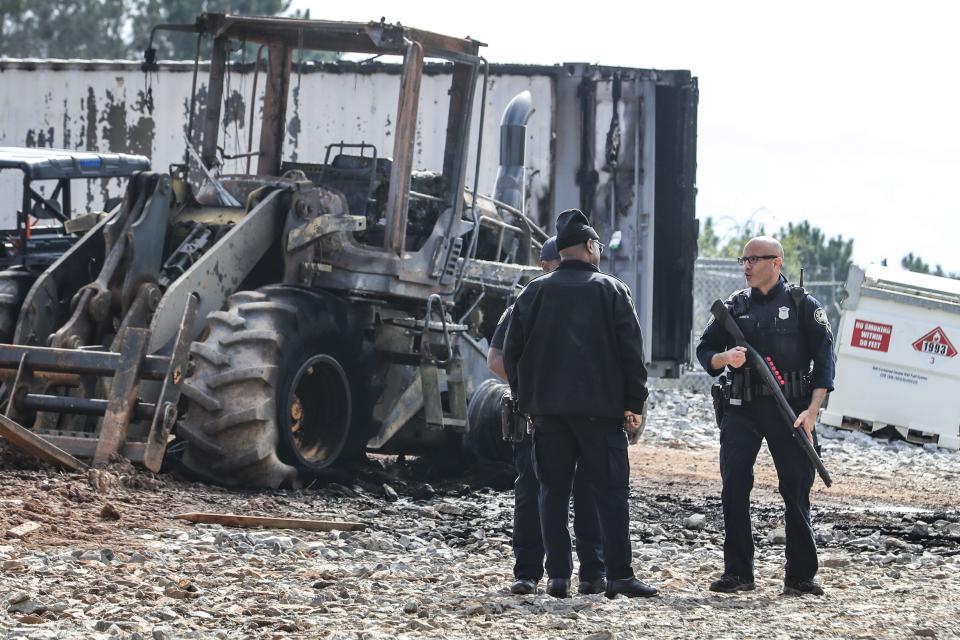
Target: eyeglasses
[754, 259]
[600, 247]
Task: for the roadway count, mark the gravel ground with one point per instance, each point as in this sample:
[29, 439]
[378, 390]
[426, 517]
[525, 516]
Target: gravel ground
[110, 562]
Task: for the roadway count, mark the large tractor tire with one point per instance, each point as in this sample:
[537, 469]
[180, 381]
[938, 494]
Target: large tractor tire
[269, 397]
[15, 283]
[484, 441]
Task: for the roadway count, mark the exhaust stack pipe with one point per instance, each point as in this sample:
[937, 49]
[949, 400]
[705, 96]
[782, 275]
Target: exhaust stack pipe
[511, 186]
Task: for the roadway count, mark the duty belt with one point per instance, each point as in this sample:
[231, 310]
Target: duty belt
[742, 386]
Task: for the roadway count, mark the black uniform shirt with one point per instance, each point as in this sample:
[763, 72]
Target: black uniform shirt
[573, 346]
[496, 342]
[774, 325]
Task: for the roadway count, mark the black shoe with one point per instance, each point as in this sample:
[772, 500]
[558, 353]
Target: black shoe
[558, 587]
[523, 587]
[590, 587]
[801, 588]
[630, 587]
[729, 583]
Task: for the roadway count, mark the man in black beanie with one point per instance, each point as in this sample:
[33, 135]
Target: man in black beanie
[574, 359]
[527, 536]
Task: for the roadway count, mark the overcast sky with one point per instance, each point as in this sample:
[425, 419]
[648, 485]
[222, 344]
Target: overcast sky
[841, 113]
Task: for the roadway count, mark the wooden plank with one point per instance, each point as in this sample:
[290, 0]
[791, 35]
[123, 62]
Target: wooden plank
[233, 520]
[23, 530]
[35, 445]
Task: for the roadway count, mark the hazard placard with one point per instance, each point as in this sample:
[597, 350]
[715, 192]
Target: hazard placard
[935, 343]
[871, 335]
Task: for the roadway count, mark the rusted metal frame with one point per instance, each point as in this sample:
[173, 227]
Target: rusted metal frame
[37, 446]
[274, 110]
[516, 212]
[404, 137]
[79, 406]
[85, 447]
[166, 407]
[66, 204]
[360, 37]
[253, 104]
[92, 311]
[60, 281]
[500, 224]
[476, 173]
[211, 125]
[123, 395]
[312, 42]
[472, 250]
[23, 219]
[193, 96]
[462, 87]
[23, 380]
[73, 361]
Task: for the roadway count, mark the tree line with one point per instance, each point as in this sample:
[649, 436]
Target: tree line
[110, 29]
[822, 258]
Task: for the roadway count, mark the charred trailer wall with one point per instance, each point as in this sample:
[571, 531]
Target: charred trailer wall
[627, 156]
[113, 106]
[618, 142]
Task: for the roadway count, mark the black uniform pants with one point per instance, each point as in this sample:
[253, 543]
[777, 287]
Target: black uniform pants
[596, 448]
[741, 433]
[527, 536]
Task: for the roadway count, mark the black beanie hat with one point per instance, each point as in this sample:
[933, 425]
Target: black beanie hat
[549, 250]
[573, 228]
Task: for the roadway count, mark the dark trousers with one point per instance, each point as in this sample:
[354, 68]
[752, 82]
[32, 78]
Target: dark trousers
[527, 536]
[741, 434]
[596, 448]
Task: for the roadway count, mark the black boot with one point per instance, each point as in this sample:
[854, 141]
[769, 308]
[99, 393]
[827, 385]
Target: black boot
[558, 587]
[801, 587]
[729, 583]
[630, 587]
[523, 587]
[590, 587]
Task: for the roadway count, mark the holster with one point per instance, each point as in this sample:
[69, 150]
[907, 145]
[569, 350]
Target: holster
[513, 424]
[717, 393]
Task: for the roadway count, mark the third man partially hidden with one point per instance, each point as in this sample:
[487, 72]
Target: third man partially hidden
[574, 359]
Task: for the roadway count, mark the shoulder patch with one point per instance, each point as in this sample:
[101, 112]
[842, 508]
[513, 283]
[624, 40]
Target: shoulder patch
[821, 316]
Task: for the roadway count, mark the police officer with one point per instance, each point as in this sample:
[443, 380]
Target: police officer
[781, 322]
[527, 539]
[574, 358]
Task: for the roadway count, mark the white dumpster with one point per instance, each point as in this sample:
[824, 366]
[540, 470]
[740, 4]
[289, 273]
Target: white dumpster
[897, 356]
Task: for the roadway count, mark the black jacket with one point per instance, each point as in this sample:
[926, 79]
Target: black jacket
[574, 347]
[795, 336]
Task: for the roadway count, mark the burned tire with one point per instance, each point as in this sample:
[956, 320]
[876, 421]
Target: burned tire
[484, 441]
[15, 283]
[269, 397]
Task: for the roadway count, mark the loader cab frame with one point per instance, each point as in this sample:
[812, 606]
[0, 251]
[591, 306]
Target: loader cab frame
[428, 265]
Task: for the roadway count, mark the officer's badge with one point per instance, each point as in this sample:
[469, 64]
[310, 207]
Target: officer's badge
[821, 316]
[784, 312]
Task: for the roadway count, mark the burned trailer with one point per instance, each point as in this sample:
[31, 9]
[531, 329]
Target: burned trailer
[279, 321]
[617, 140]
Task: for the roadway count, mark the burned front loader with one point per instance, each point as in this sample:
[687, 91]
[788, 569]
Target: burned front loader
[326, 307]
